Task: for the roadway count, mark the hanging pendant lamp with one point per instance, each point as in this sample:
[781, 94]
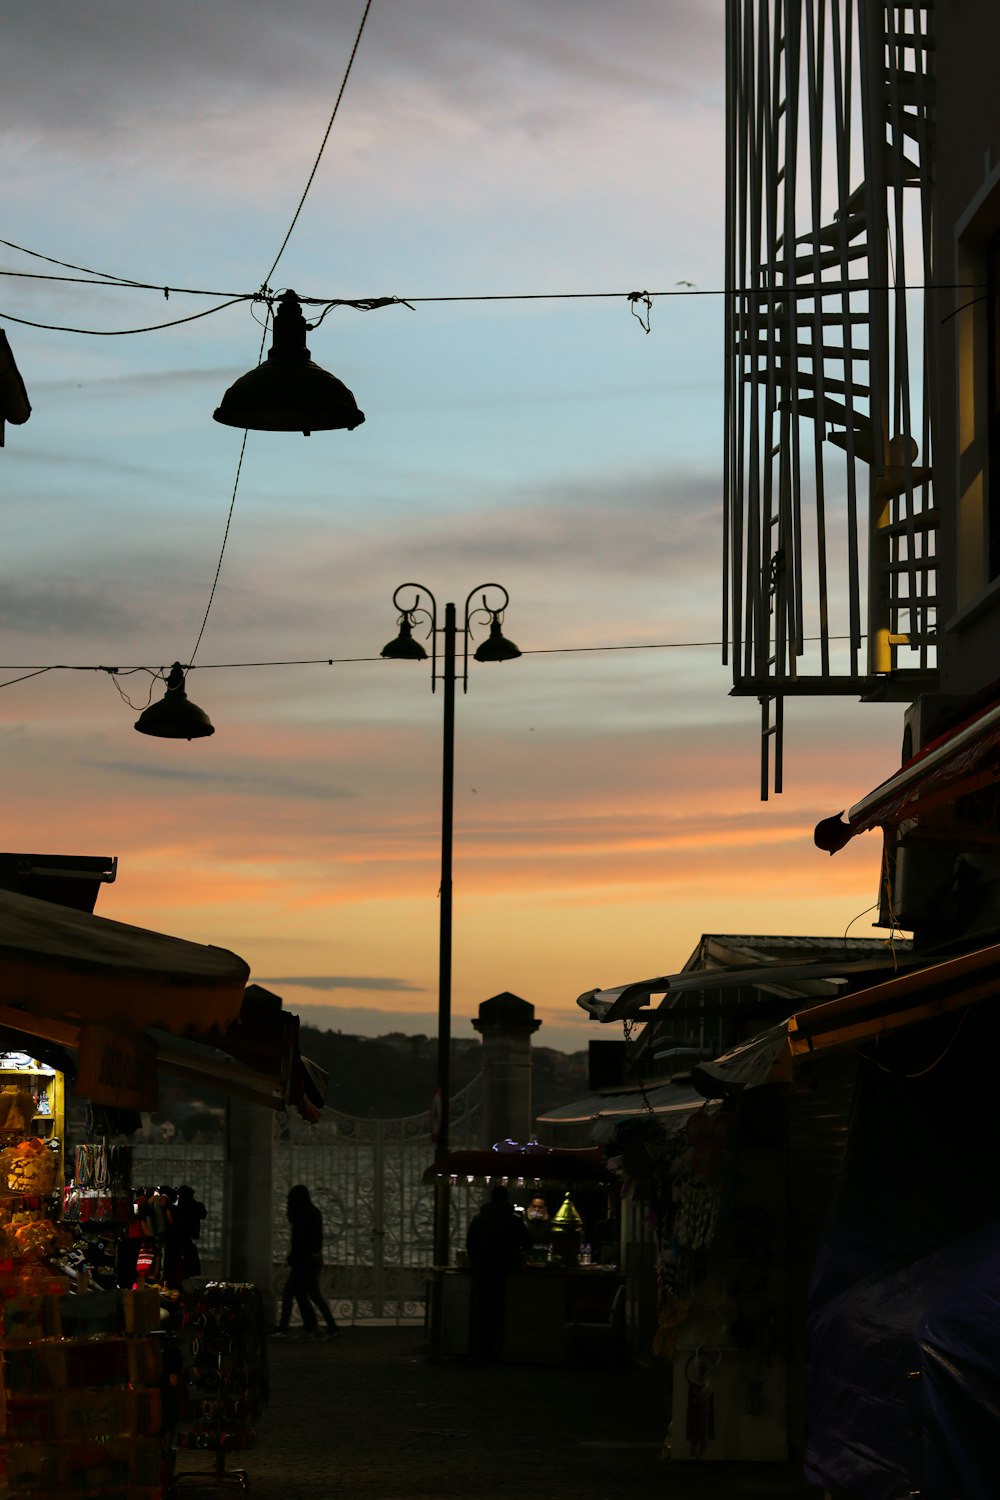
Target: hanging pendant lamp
[175, 717]
[404, 647]
[496, 647]
[288, 393]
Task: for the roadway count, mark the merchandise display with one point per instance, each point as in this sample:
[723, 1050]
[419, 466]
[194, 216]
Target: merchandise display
[107, 1374]
[31, 1119]
[218, 1331]
[81, 1400]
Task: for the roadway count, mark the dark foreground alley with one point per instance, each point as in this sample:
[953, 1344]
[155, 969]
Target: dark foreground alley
[368, 1417]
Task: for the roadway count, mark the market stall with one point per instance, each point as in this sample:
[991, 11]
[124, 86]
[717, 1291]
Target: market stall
[567, 1282]
[111, 1371]
[80, 1397]
[109, 1368]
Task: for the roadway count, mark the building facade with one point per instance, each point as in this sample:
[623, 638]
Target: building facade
[862, 555]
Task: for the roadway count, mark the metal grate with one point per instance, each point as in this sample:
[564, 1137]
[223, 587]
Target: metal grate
[366, 1177]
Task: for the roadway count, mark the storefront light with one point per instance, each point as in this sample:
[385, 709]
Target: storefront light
[23, 1060]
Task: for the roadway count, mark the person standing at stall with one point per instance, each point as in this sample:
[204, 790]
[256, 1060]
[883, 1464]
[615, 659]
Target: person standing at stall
[538, 1223]
[305, 1262]
[183, 1227]
[496, 1242]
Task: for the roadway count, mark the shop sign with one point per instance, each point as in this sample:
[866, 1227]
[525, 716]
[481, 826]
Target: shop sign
[116, 1069]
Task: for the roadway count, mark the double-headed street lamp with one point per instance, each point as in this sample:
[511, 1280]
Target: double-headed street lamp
[496, 647]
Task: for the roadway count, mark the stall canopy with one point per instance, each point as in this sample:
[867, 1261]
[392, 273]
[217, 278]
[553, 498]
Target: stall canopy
[73, 966]
[531, 1163]
[819, 976]
[132, 1002]
[772, 1055]
[665, 1100]
[258, 1057]
[68, 879]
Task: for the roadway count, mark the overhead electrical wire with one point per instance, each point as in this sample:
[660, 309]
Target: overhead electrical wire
[337, 661]
[265, 295]
[326, 137]
[119, 332]
[372, 304]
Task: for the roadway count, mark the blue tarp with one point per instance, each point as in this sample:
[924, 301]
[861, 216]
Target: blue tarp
[904, 1381]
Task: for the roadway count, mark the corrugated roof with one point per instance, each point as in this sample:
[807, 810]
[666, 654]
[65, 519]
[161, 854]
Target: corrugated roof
[659, 1099]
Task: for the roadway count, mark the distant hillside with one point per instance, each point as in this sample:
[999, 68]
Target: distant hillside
[389, 1076]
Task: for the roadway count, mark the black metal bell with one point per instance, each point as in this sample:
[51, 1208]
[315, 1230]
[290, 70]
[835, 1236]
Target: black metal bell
[288, 392]
[175, 717]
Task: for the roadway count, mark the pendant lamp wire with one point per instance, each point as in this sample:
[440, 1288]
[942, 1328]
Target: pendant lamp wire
[265, 292]
[326, 137]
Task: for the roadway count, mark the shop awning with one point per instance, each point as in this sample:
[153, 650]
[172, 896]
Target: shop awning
[626, 1001]
[74, 967]
[67, 879]
[662, 1099]
[132, 1003]
[257, 1059]
[963, 761]
[906, 1000]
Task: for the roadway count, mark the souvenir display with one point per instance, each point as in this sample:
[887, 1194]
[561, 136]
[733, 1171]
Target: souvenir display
[106, 1373]
[80, 1399]
[31, 1118]
[218, 1331]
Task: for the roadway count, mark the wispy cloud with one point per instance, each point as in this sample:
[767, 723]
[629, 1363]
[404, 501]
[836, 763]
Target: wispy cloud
[136, 383]
[238, 783]
[502, 67]
[59, 607]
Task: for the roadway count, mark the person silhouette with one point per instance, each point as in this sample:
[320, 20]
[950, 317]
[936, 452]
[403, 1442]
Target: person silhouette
[305, 1262]
[496, 1243]
[184, 1217]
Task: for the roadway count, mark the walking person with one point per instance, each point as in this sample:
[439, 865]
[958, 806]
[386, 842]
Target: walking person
[305, 1262]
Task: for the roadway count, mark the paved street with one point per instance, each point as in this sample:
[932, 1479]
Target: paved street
[369, 1418]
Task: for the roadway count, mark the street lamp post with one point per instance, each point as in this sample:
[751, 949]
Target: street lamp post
[495, 648]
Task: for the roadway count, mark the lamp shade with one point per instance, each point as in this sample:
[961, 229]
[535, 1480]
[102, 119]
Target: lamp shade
[496, 646]
[175, 717]
[404, 647]
[288, 392]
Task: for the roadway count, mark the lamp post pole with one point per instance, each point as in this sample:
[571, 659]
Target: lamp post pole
[441, 1214]
[495, 648]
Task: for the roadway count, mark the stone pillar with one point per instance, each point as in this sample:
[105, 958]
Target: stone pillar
[506, 1024]
[247, 1251]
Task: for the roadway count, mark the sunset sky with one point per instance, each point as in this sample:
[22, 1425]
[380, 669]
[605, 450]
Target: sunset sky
[606, 810]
